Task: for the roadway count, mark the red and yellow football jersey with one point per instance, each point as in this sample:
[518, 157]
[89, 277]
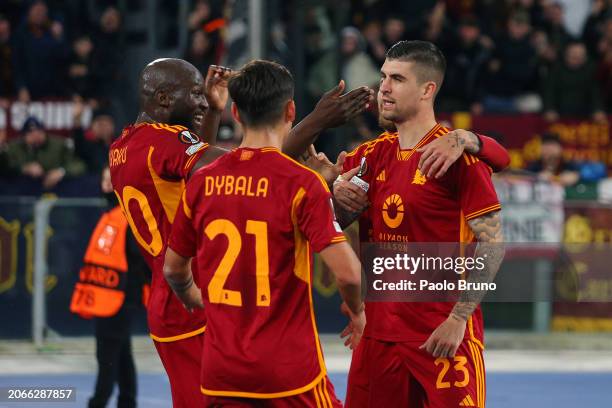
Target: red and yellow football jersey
[409, 207]
[252, 220]
[149, 164]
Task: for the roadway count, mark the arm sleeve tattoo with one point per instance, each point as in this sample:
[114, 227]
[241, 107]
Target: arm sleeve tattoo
[488, 232]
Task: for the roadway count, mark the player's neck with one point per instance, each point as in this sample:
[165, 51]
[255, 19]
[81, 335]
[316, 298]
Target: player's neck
[412, 130]
[258, 138]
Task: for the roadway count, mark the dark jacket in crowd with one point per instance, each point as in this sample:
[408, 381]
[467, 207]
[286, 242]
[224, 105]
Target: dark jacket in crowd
[466, 64]
[52, 154]
[93, 152]
[39, 63]
[518, 70]
[572, 92]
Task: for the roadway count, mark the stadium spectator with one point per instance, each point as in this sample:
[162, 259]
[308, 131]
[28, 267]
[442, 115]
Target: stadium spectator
[512, 71]
[201, 52]
[604, 76]
[572, 88]
[207, 16]
[41, 156]
[604, 42]
[466, 63]
[552, 166]
[92, 145]
[6, 68]
[356, 67]
[555, 27]
[40, 54]
[394, 30]
[321, 61]
[546, 52]
[594, 26]
[81, 78]
[199, 16]
[108, 54]
[534, 8]
[375, 47]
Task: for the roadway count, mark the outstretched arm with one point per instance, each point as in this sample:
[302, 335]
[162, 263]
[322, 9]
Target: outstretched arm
[440, 154]
[332, 110]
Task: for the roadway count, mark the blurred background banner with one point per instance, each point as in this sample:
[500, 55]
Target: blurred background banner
[582, 140]
[57, 115]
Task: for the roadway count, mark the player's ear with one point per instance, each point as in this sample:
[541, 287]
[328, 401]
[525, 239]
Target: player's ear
[235, 113]
[429, 89]
[163, 98]
[290, 111]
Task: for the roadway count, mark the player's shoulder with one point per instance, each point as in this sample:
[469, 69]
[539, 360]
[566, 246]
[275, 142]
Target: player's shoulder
[296, 171]
[383, 141]
[161, 135]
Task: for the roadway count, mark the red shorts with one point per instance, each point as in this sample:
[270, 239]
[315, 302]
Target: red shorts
[182, 359]
[321, 396]
[387, 374]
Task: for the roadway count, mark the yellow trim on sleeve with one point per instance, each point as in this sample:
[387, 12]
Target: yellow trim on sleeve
[186, 208]
[323, 182]
[178, 337]
[483, 211]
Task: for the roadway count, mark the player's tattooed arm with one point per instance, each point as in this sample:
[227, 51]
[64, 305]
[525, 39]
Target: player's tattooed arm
[177, 272]
[488, 231]
[440, 154]
[216, 93]
[350, 199]
[447, 337]
[332, 110]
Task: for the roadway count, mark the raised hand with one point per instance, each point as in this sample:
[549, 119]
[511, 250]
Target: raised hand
[335, 109]
[440, 154]
[322, 165]
[215, 86]
[351, 197]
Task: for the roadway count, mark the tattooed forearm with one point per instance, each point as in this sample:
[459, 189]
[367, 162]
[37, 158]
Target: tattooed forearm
[488, 232]
[471, 142]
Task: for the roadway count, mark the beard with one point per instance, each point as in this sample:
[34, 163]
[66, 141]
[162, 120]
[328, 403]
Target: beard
[390, 123]
[386, 124]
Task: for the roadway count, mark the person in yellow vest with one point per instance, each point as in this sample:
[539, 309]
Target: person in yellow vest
[112, 282]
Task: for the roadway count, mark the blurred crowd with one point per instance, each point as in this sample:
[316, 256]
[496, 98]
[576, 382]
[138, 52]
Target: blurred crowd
[504, 56]
[52, 50]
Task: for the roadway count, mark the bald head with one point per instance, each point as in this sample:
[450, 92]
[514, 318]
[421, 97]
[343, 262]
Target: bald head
[171, 90]
[165, 74]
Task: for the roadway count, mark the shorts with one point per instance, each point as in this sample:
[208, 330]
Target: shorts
[321, 396]
[182, 361]
[399, 374]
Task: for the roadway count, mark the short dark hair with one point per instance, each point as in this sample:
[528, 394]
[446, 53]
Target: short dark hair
[260, 90]
[429, 61]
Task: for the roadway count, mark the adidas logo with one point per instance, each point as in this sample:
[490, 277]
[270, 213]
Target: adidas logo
[381, 176]
[467, 402]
